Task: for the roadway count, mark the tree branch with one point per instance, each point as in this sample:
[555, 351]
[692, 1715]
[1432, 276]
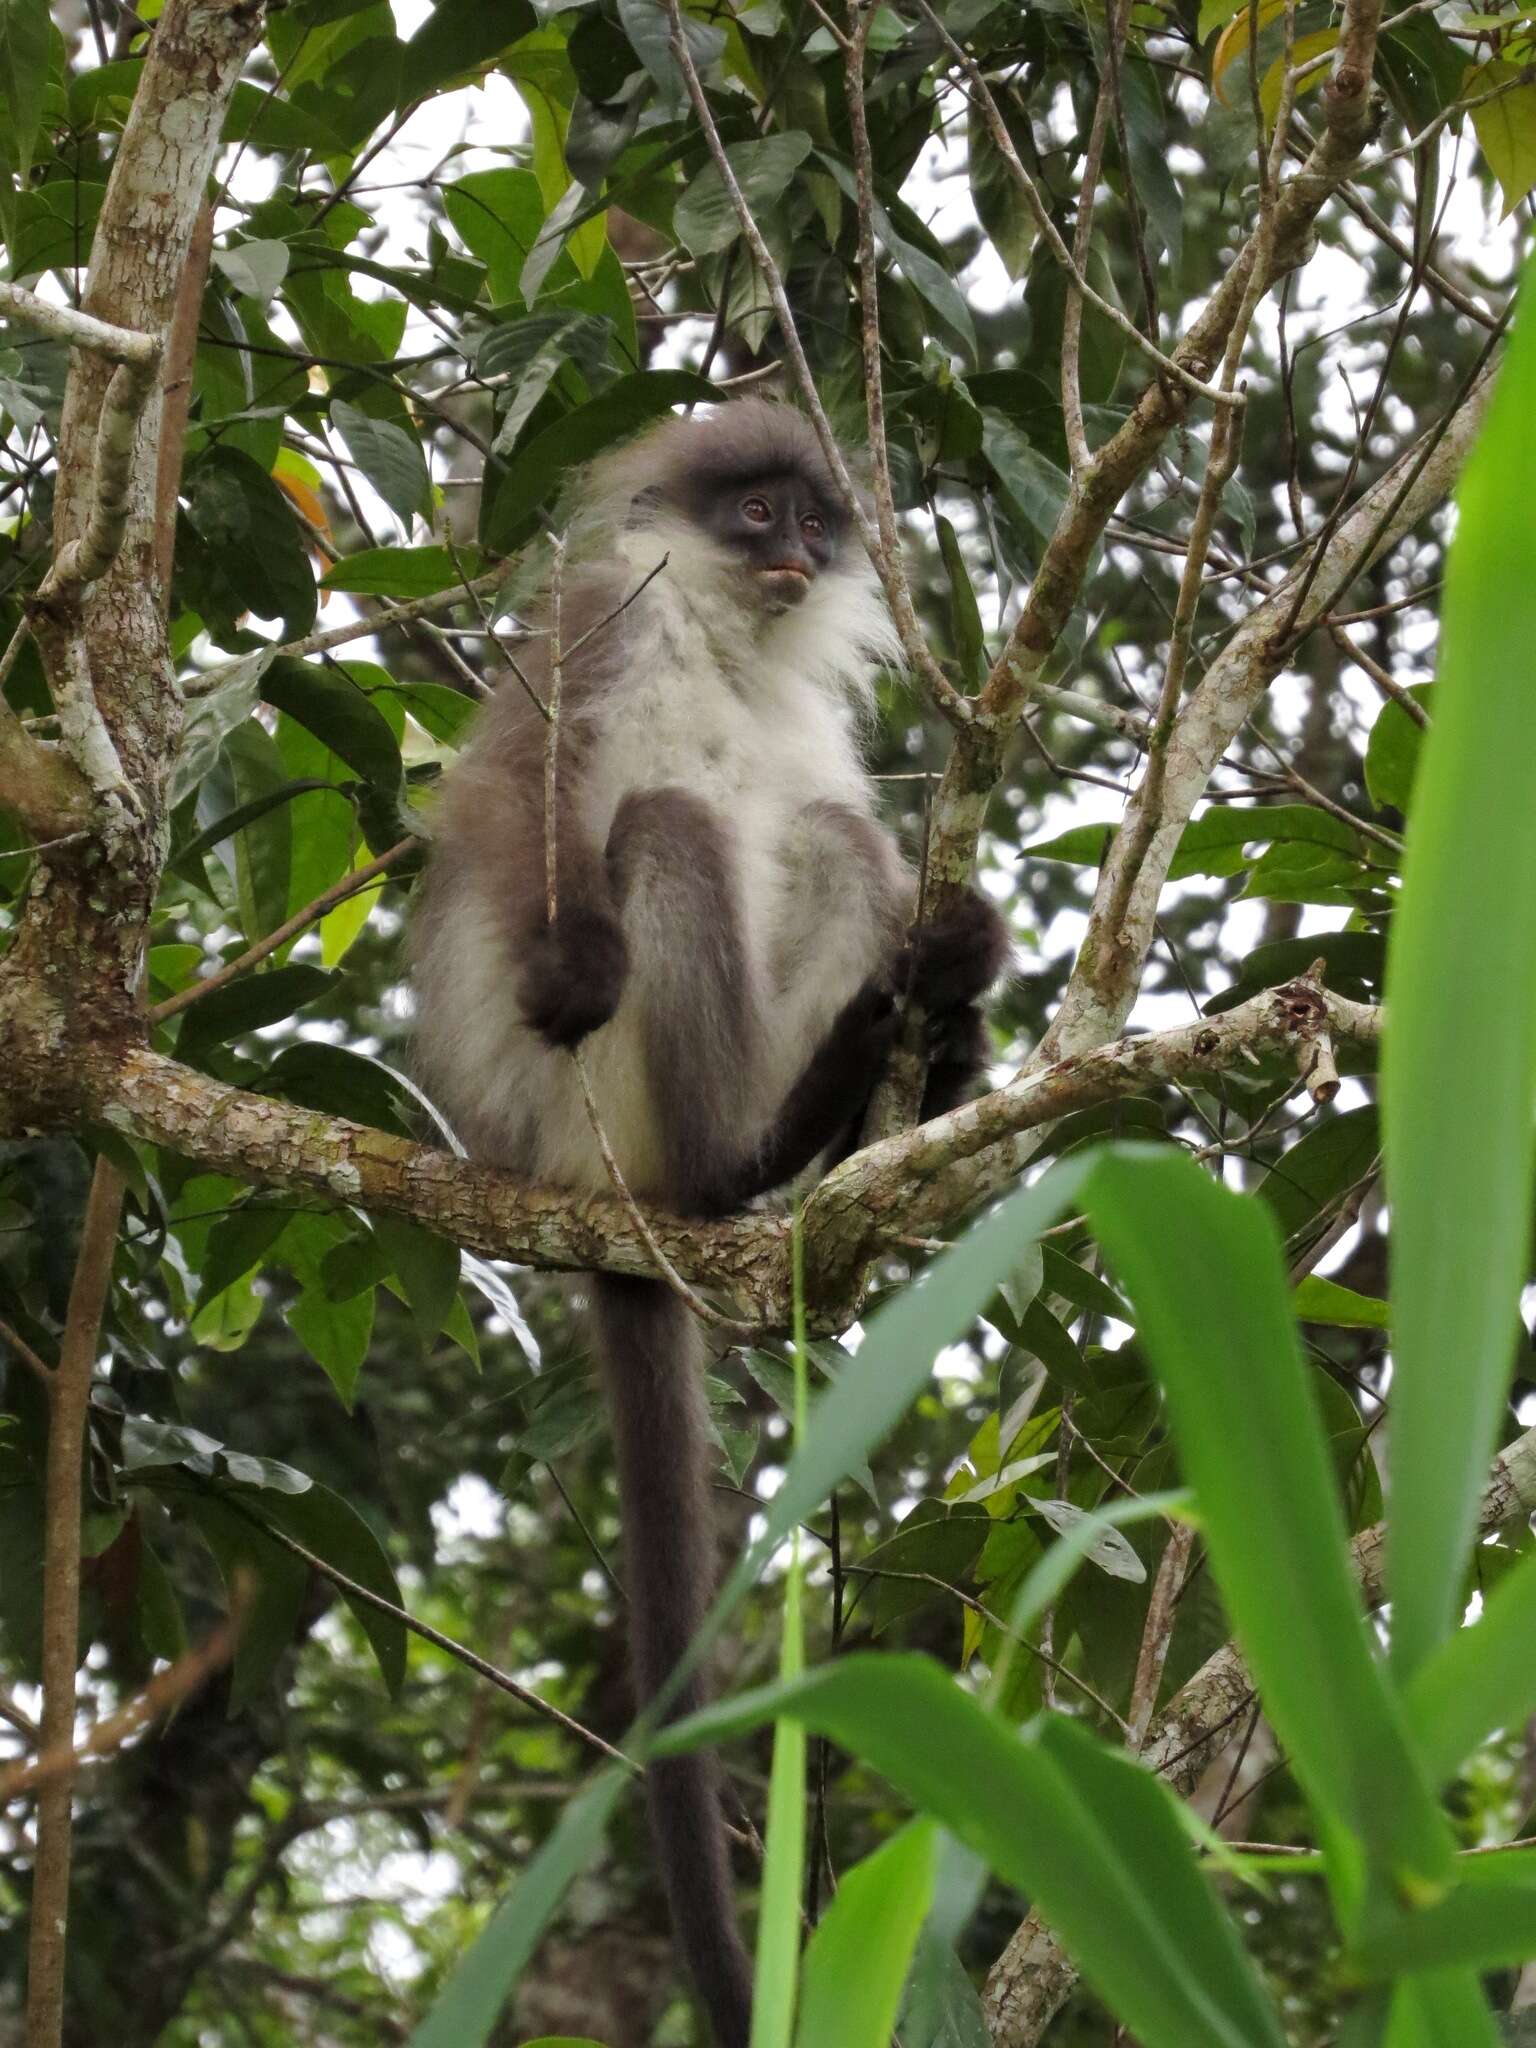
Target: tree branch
[930, 1176]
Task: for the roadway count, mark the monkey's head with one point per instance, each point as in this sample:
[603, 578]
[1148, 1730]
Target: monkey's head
[751, 479]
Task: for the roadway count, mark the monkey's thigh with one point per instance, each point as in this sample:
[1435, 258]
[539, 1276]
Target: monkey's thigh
[841, 918]
[691, 982]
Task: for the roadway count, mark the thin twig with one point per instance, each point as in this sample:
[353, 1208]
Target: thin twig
[27, 1355]
[739, 1333]
[167, 1689]
[460, 1652]
[1157, 1635]
[946, 698]
[356, 629]
[349, 885]
[552, 726]
[80, 330]
[1049, 232]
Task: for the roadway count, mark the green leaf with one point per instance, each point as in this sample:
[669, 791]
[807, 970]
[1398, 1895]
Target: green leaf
[240, 548]
[255, 268]
[1321, 1166]
[24, 26]
[334, 1333]
[875, 1388]
[250, 1002]
[162, 1629]
[1203, 1269]
[705, 218]
[1316, 1300]
[460, 36]
[403, 572]
[1032, 481]
[389, 457]
[1461, 986]
[1089, 1837]
[471, 2002]
[264, 1583]
[964, 615]
[342, 1083]
[999, 203]
[1392, 754]
[326, 702]
[210, 718]
[263, 849]
[856, 1963]
[511, 510]
[924, 272]
[1506, 129]
[648, 26]
[1440, 2009]
[428, 1266]
[778, 1924]
[333, 1529]
[1480, 1680]
[1480, 1926]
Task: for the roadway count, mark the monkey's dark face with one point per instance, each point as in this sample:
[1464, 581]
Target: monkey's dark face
[780, 530]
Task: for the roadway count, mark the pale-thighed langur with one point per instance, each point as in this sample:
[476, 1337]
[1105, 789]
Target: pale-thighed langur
[729, 940]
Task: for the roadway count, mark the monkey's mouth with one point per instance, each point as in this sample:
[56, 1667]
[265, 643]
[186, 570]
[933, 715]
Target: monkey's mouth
[785, 582]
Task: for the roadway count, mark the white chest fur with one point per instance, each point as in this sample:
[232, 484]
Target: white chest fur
[758, 725]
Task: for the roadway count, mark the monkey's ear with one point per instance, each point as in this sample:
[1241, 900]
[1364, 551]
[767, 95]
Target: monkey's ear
[643, 503]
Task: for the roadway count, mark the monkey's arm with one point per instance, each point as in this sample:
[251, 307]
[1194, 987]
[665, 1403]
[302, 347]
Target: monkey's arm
[946, 966]
[568, 972]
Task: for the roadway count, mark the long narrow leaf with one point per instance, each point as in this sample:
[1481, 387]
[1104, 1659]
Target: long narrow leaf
[778, 1922]
[895, 1361]
[857, 1960]
[1459, 1064]
[1092, 1838]
[1482, 1679]
[1444, 2009]
[471, 2001]
[1478, 1927]
[1203, 1268]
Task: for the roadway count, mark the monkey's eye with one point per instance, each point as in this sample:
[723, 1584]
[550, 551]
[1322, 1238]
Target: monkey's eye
[813, 525]
[758, 510]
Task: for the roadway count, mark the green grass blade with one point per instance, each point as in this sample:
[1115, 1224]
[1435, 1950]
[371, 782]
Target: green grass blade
[857, 1960]
[778, 1924]
[1092, 1838]
[1483, 1926]
[1443, 2009]
[895, 1361]
[470, 2003]
[1459, 1061]
[1482, 1679]
[1204, 1271]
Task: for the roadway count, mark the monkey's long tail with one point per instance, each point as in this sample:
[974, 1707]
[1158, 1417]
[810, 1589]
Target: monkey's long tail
[652, 1359]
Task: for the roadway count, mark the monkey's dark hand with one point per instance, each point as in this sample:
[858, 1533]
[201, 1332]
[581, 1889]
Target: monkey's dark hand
[572, 975]
[950, 961]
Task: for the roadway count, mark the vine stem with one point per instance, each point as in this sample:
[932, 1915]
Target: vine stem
[61, 1603]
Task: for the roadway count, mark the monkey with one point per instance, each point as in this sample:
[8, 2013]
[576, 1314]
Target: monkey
[728, 949]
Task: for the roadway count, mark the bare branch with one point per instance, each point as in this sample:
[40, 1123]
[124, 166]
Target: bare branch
[1108, 969]
[934, 1174]
[80, 330]
[167, 1689]
[272, 1143]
